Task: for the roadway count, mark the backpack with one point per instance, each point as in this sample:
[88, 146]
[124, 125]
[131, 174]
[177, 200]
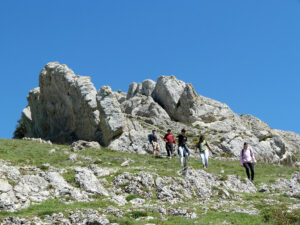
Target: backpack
[149, 138]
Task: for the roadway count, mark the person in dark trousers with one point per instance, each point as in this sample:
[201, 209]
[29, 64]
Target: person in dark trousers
[183, 150]
[154, 142]
[247, 160]
[170, 142]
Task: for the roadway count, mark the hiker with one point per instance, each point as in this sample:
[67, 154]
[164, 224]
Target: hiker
[154, 142]
[183, 150]
[247, 160]
[170, 141]
[203, 146]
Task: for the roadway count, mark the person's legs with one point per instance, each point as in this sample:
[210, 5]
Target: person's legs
[156, 149]
[247, 170]
[202, 156]
[180, 153]
[168, 149]
[186, 156]
[171, 149]
[206, 154]
[251, 165]
[153, 146]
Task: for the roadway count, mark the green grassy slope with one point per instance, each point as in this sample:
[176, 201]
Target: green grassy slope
[22, 153]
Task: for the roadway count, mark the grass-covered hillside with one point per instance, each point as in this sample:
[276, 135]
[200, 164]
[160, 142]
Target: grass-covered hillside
[222, 207]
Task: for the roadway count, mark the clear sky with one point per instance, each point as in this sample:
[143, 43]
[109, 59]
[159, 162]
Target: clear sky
[243, 53]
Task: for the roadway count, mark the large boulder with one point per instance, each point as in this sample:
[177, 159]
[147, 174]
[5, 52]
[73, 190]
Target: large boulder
[134, 89]
[81, 145]
[63, 108]
[259, 128]
[112, 120]
[145, 88]
[144, 106]
[148, 87]
[192, 107]
[167, 93]
[134, 139]
[183, 104]
[89, 182]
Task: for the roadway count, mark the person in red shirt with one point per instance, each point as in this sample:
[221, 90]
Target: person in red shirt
[170, 141]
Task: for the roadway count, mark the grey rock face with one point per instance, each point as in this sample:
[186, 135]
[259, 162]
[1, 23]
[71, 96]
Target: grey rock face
[148, 87]
[290, 187]
[144, 106]
[101, 172]
[260, 129]
[183, 104]
[7, 196]
[139, 184]
[134, 89]
[32, 187]
[145, 88]
[81, 145]
[120, 96]
[89, 182]
[133, 139]
[192, 107]
[234, 183]
[62, 188]
[167, 93]
[64, 106]
[111, 116]
[196, 183]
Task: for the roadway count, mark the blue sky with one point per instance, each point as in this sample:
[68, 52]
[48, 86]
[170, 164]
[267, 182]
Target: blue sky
[244, 53]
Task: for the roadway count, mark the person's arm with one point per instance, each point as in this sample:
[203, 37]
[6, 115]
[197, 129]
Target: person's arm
[241, 158]
[209, 148]
[174, 140]
[165, 138]
[252, 156]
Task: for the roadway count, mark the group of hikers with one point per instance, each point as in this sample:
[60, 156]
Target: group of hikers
[247, 158]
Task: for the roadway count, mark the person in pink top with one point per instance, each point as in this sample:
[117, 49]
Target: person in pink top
[248, 160]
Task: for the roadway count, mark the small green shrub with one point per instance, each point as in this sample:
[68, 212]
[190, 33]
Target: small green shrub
[279, 215]
[123, 185]
[223, 177]
[132, 196]
[12, 182]
[44, 167]
[137, 214]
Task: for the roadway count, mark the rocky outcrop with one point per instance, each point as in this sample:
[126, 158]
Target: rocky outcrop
[144, 106]
[89, 182]
[81, 145]
[62, 188]
[66, 108]
[111, 116]
[167, 93]
[145, 88]
[63, 108]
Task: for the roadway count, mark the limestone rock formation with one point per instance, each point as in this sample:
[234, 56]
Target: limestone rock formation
[89, 182]
[66, 108]
[81, 145]
[145, 88]
[167, 93]
[63, 108]
[111, 116]
[144, 106]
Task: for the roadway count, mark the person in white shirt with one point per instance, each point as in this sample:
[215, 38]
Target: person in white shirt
[248, 160]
